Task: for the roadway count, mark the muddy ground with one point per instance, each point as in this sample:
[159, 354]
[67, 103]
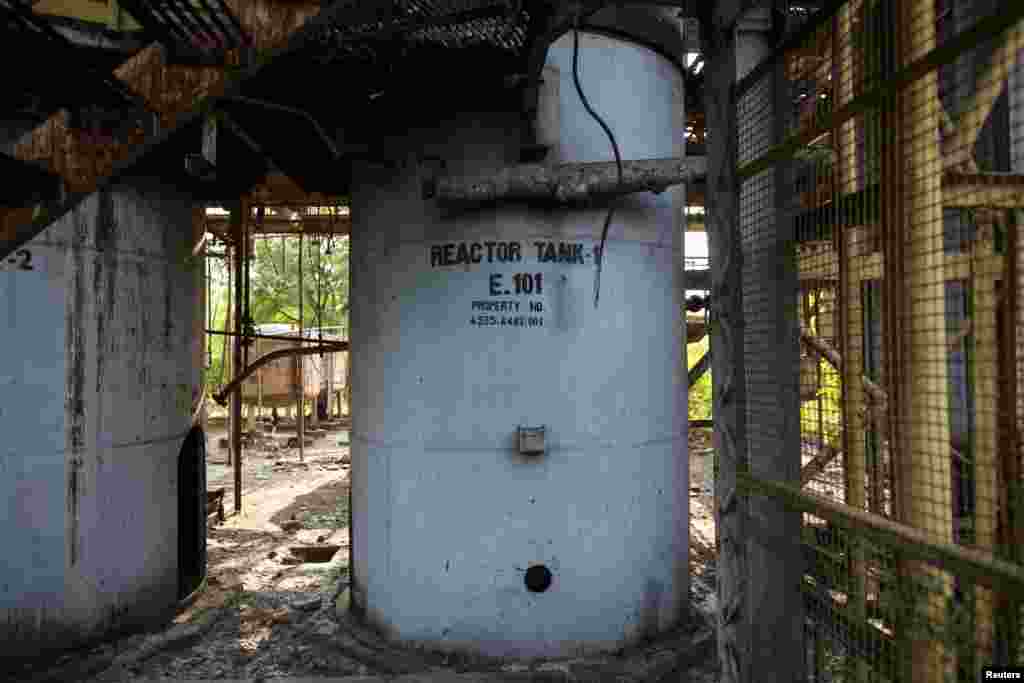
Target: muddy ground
[268, 613]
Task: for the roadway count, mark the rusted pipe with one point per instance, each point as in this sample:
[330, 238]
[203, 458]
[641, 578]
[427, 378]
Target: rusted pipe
[221, 397]
[276, 337]
[199, 246]
[830, 354]
[197, 411]
[566, 182]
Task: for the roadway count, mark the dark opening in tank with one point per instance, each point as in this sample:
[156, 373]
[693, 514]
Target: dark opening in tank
[538, 578]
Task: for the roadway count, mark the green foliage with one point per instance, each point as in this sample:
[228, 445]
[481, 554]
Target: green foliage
[328, 519]
[700, 393]
[274, 291]
[275, 282]
[831, 394]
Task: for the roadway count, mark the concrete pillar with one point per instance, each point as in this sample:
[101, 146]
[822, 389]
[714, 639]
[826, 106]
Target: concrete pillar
[96, 381]
[772, 346]
[755, 363]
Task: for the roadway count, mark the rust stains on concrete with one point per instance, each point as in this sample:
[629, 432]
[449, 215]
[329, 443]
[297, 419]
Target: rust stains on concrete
[106, 265]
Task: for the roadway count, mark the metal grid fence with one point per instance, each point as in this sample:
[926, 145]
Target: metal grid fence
[890, 142]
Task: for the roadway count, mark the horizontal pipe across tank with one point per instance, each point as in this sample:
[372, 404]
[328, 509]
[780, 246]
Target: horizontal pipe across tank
[221, 397]
[567, 182]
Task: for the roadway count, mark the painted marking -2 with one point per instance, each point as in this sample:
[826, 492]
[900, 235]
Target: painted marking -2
[25, 262]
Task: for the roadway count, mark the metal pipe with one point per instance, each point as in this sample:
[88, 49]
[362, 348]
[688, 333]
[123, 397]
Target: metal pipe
[236, 403]
[301, 418]
[234, 386]
[294, 111]
[567, 182]
[197, 412]
[199, 245]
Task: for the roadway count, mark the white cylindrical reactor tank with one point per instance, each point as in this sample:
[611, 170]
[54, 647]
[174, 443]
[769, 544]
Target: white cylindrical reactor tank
[467, 326]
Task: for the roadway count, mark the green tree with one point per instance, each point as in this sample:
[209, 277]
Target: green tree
[274, 290]
[274, 276]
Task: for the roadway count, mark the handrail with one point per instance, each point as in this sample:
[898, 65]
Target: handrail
[981, 566]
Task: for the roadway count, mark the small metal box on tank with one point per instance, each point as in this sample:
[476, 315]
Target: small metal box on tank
[531, 440]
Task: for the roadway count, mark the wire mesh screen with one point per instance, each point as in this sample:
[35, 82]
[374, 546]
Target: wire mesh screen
[890, 143]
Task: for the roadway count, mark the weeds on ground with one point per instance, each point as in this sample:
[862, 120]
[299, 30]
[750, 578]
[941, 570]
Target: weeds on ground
[332, 577]
[327, 519]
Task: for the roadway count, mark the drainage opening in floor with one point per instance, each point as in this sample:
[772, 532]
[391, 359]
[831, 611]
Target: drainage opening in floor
[538, 578]
[314, 553]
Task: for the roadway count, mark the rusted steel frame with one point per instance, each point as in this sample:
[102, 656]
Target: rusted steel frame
[1011, 457]
[259, 336]
[925, 466]
[826, 351]
[181, 13]
[302, 36]
[173, 30]
[274, 226]
[238, 221]
[237, 129]
[188, 26]
[982, 30]
[234, 22]
[23, 13]
[566, 182]
[199, 246]
[425, 22]
[893, 305]
[198, 410]
[793, 41]
[980, 566]
[246, 279]
[158, 19]
[817, 464]
[300, 420]
[294, 111]
[959, 148]
[1013, 537]
[232, 387]
[204, 23]
[983, 190]
[220, 25]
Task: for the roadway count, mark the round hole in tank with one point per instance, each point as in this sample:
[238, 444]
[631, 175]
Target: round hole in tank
[538, 578]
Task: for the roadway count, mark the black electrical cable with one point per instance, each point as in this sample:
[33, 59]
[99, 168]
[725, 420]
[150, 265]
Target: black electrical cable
[615, 149]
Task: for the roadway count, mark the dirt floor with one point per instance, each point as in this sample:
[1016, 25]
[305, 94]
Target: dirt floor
[267, 613]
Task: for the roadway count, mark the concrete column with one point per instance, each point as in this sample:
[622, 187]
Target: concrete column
[755, 363]
[95, 387]
[772, 347]
[729, 387]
